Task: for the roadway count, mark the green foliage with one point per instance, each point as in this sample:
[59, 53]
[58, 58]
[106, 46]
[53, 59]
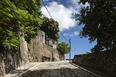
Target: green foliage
[63, 48]
[97, 48]
[18, 15]
[11, 41]
[87, 52]
[50, 27]
[99, 21]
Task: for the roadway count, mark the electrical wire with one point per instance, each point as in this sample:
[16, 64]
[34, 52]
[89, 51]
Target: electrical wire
[63, 36]
[52, 18]
[47, 9]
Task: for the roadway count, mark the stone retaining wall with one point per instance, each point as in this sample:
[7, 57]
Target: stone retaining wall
[11, 59]
[103, 61]
[39, 50]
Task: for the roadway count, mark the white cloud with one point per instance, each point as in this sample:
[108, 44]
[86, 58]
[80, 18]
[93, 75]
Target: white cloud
[75, 7]
[76, 33]
[65, 16]
[45, 0]
[61, 14]
[86, 4]
[71, 34]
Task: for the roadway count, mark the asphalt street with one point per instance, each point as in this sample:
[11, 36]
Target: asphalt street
[57, 69]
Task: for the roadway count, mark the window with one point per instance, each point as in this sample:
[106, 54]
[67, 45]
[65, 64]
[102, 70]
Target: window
[47, 41]
[52, 42]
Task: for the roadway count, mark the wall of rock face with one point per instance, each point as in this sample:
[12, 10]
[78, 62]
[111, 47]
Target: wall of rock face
[103, 61]
[10, 59]
[37, 51]
[40, 52]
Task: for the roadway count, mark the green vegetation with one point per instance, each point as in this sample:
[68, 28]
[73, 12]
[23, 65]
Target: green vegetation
[99, 21]
[63, 48]
[87, 52]
[50, 27]
[18, 15]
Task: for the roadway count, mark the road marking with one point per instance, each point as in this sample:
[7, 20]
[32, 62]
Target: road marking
[60, 66]
[28, 70]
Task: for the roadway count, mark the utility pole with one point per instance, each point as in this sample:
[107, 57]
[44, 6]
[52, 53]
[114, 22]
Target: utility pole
[70, 49]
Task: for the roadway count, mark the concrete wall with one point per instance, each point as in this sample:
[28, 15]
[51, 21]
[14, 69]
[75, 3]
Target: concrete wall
[51, 42]
[40, 36]
[103, 61]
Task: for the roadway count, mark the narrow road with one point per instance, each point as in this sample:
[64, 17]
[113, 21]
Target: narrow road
[57, 69]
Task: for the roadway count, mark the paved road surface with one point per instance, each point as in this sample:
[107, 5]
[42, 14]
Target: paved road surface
[56, 69]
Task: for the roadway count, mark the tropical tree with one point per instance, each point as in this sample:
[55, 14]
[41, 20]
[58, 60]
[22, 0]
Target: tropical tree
[63, 48]
[50, 27]
[18, 15]
[99, 21]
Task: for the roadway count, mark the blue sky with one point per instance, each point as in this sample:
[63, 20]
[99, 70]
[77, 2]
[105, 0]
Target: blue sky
[63, 11]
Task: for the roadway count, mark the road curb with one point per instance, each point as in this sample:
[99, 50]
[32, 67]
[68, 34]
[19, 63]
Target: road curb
[85, 70]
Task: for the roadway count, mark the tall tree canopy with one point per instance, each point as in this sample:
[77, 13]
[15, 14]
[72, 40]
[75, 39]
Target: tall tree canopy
[63, 48]
[99, 21]
[18, 15]
[50, 27]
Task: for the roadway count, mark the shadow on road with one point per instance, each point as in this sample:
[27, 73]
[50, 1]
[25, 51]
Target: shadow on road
[62, 72]
[102, 74]
[17, 72]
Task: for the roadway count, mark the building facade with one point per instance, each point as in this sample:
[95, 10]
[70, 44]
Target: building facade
[51, 42]
[41, 36]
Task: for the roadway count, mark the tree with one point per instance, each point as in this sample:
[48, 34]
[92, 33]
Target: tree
[63, 48]
[87, 52]
[18, 15]
[99, 21]
[97, 48]
[50, 27]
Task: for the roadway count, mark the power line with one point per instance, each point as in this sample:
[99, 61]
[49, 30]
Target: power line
[47, 9]
[63, 35]
[52, 18]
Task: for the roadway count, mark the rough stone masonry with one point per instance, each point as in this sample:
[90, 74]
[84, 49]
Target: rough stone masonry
[102, 61]
[37, 51]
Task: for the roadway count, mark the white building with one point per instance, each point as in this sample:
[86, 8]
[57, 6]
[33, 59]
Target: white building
[51, 42]
[40, 36]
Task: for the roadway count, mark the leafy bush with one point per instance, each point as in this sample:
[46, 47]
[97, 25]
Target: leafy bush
[63, 48]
